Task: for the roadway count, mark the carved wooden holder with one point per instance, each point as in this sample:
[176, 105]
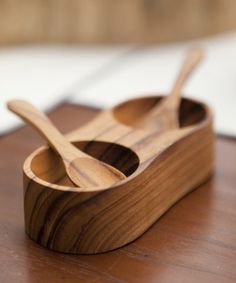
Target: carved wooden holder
[160, 169]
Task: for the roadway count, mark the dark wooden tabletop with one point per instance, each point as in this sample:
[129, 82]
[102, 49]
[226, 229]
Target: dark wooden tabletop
[195, 241]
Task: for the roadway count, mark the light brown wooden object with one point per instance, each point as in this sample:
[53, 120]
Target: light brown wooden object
[82, 169]
[160, 169]
[164, 116]
[112, 21]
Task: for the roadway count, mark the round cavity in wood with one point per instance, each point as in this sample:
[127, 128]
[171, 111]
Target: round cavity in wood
[48, 166]
[191, 112]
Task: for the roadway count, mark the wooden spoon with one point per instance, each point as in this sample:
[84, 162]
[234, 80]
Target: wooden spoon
[165, 115]
[83, 170]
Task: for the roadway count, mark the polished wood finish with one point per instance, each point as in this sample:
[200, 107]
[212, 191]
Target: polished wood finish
[109, 21]
[165, 115]
[82, 169]
[193, 242]
[69, 219]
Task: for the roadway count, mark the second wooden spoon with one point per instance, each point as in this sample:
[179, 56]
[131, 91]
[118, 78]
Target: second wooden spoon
[165, 115]
[82, 169]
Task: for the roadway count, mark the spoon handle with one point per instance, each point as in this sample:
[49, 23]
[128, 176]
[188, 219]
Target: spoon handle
[164, 116]
[45, 127]
[193, 58]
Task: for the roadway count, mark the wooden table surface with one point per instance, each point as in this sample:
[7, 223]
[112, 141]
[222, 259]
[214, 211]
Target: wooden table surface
[195, 241]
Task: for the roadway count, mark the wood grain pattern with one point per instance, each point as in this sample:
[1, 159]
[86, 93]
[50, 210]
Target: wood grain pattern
[64, 218]
[106, 21]
[193, 242]
[82, 169]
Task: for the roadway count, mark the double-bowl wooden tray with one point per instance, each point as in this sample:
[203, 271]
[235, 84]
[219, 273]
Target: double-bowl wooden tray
[160, 169]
